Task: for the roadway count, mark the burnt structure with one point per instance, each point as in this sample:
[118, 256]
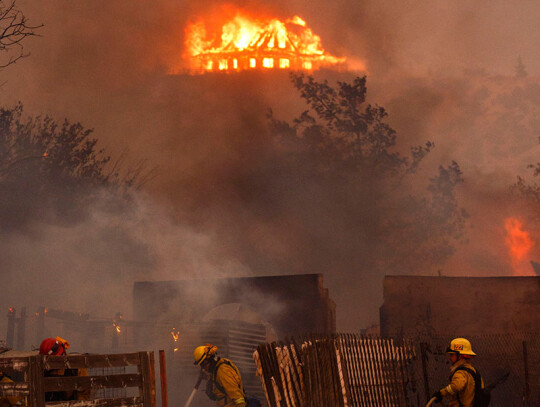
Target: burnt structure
[291, 304]
[459, 306]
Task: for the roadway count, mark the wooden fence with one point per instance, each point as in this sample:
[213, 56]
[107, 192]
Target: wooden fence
[342, 371]
[350, 370]
[31, 383]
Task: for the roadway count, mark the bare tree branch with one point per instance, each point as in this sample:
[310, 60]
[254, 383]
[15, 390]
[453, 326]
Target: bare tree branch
[14, 28]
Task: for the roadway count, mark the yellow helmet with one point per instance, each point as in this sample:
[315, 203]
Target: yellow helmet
[461, 346]
[201, 353]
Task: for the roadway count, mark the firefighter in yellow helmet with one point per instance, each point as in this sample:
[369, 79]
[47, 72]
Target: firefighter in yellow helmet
[224, 384]
[463, 376]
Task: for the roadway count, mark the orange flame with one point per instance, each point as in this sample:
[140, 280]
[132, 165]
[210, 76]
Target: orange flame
[117, 327]
[175, 334]
[519, 245]
[251, 43]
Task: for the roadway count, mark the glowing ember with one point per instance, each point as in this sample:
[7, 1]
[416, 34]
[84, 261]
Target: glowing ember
[175, 334]
[248, 43]
[519, 245]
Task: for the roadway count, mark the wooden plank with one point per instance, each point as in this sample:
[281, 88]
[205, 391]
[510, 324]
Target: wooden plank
[70, 383]
[423, 352]
[265, 354]
[117, 402]
[146, 370]
[91, 361]
[67, 315]
[13, 364]
[9, 389]
[163, 379]
[34, 377]
[152, 377]
[353, 369]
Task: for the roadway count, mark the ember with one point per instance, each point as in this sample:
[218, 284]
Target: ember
[519, 245]
[175, 333]
[248, 43]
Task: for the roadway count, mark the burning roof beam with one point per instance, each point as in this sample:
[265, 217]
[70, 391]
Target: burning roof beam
[247, 43]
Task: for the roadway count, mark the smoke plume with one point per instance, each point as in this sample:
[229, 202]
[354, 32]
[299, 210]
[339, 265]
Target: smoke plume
[218, 206]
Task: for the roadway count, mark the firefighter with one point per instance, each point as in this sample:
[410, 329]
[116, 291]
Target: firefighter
[461, 390]
[58, 347]
[224, 384]
[53, 346]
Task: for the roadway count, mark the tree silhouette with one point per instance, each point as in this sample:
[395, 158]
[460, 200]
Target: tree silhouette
[342, 143]
[55, 169]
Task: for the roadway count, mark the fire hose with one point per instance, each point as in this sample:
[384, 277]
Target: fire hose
[195, 388]
[430, 402]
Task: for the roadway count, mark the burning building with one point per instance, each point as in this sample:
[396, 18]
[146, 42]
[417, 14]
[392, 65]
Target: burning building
[247, 43]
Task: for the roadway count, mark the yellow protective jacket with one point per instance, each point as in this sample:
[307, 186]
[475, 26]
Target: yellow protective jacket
[227, 385]
[460, 391]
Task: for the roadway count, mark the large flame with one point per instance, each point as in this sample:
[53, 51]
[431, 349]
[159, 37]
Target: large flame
[248, 43]
[519, 243]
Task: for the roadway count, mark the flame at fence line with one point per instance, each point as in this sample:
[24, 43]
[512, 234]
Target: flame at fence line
[519, 243]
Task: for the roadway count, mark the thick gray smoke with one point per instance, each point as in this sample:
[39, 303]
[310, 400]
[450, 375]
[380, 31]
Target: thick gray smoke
[444, 70]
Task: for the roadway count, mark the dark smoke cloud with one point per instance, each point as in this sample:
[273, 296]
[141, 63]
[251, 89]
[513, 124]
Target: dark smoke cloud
[208, 213]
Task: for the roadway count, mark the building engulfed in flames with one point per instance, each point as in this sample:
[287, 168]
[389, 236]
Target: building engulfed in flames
[248, 44]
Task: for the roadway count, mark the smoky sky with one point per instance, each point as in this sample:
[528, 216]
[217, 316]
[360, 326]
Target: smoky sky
[444, 70]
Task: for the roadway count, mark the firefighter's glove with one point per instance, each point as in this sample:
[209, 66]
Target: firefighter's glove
[210, 390]
[438, 396]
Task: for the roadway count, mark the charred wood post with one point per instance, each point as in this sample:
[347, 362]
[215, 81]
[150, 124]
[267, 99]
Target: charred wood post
[527, 395]
[163, 379]
[116, 323]
[424, 350]
[21, 329]
[10, 327]
[40, 328]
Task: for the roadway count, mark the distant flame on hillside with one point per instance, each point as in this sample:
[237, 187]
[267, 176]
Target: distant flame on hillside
[519, 243]
[248, 43]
